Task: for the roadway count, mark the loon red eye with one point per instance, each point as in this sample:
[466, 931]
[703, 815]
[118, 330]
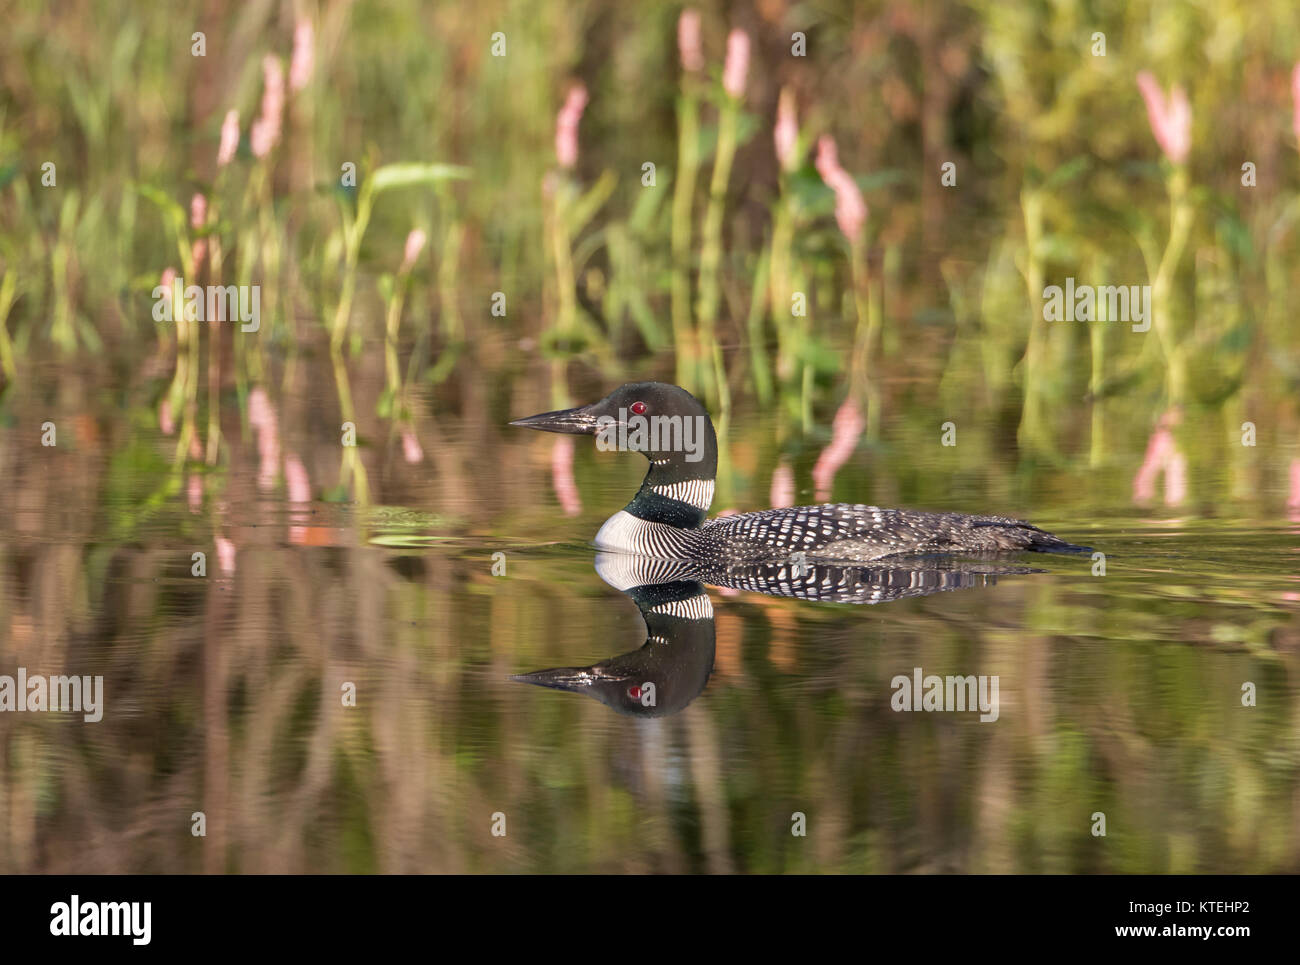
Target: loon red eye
[634, 691]
[638, 408]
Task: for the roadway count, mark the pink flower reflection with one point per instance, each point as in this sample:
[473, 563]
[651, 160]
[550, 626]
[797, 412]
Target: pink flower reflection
[562, 476]
[846, 429]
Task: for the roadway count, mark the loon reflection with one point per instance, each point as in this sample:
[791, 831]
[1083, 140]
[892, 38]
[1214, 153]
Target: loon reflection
[672, 667]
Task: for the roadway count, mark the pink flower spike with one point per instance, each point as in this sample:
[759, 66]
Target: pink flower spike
[1293, 496]
[736, 66]
[166, 422]
[566, 126]
[1171, 121]
[1295, 99]
[265, 132]
[300, 63]
[850, 207]
[688, 41]
[786, 132]
[229, 138]
[414, 245]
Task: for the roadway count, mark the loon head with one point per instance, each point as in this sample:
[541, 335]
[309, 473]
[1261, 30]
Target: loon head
[665, 423]
[668, 426]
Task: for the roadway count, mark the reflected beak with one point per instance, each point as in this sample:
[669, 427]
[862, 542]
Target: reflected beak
[574, 679]
[578, 421]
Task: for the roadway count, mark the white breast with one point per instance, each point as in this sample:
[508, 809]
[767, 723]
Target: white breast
[625, 533]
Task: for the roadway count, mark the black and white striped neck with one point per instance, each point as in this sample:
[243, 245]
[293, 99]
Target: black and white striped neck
[664, 517]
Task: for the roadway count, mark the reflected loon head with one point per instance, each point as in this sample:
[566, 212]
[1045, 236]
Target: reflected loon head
[667, 425]
[673, 665]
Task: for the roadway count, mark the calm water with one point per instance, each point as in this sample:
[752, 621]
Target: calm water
[229, 694]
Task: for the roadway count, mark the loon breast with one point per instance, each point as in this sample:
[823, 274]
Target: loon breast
[625, 533]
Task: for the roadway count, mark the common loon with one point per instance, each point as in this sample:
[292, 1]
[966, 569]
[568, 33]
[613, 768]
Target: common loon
[667, 519]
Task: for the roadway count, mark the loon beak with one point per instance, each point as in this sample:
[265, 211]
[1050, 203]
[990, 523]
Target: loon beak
[577, 680]
[579, 421]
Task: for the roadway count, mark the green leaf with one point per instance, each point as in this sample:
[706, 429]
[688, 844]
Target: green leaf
[411, 174]
[1067, 172]
[581, 211]
[173, 213]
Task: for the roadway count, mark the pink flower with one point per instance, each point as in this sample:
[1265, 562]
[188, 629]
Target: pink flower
[229, 138]
[786, 132]
[261, 416]
[782, 492]
[299, 485]
[1171, 121]
[295, 477]
[688, 40]
[850, 208]
[194, 493]
[411, 450]
[265, 132]
[562, 476]
[845, 431]
[226, 555]
[1295, 98]
[414, 245]
[1162, 455]
[198, 218]
[736, 65]
[566, 126]
[300, 63]
[166, 421]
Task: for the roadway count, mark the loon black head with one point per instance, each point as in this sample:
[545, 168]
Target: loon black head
[669, 427]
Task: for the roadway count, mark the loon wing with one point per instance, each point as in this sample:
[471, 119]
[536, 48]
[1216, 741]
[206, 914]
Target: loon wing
[847, 532]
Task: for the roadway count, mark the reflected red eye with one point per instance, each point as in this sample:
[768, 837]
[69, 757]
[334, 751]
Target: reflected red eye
[638, 408]
[634, 692]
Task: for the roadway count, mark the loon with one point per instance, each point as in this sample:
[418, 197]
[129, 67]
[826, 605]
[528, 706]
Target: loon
[667, 518]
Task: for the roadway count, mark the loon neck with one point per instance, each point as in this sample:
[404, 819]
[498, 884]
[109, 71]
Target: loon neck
[678, 489]
[674, 493]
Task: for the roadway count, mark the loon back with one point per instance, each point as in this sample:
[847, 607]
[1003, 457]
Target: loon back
[666, 519]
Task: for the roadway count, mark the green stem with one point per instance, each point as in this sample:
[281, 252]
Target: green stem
[711, 254]
[688, 162]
